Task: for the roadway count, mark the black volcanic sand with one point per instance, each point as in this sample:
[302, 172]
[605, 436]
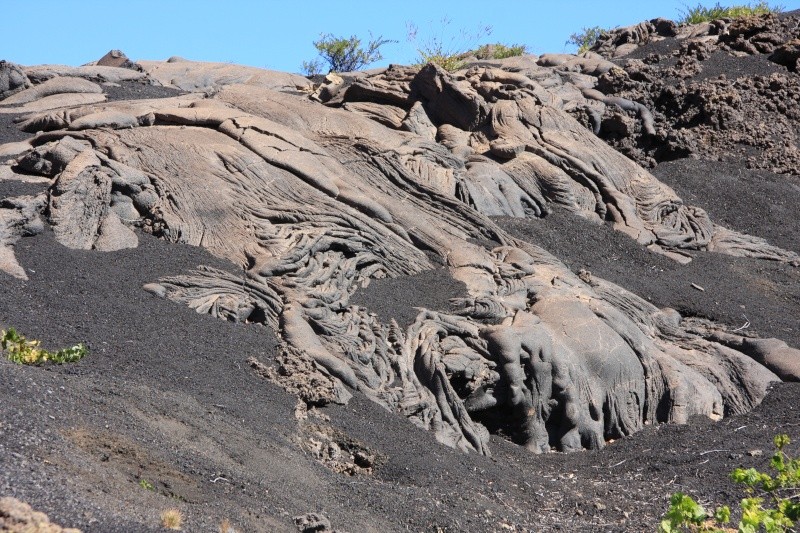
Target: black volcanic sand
[401, 298]
[9, 132]
[11, 188]
[134, 90]
[756, 202]
[165, 396]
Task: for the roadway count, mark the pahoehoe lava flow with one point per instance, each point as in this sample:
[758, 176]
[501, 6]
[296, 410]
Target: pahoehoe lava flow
[316, 190]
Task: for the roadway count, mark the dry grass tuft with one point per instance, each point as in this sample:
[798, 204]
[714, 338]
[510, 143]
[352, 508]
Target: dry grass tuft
[172, 519]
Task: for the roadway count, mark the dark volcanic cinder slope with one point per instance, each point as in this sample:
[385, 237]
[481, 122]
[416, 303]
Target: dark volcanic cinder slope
[306, 194]
[165, 395]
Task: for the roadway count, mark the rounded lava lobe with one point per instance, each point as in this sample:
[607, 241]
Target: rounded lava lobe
[538, 385]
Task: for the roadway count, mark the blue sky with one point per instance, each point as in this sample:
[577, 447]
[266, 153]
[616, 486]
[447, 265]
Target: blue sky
[279, 35]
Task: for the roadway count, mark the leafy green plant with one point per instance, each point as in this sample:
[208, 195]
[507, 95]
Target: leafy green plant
[146, 484]
[685, 514]
[778, 493]
[344, 55]
[701, 13]
[27, 352]
[586, 38]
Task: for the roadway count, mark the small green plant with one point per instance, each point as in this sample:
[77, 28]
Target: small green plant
[778, 493]
[146, 484]
[701, 13]
[27, 352]
[344, 55]
[586, 38]
[685, 514]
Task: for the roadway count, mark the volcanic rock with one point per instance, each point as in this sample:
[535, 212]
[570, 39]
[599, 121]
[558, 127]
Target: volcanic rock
[313, 200]
[19, 517]
[314, 193]
[308, 196]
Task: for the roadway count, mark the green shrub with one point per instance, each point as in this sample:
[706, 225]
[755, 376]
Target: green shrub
[695, 15]
[586, 38]
[24, 352]
[779, 492]
[344, 55]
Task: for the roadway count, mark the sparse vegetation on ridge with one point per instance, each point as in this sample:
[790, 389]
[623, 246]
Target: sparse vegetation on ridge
[700, 13]
[782, 510]
[586, 38]
[451, 62]
[442, 49]
[344, 54]
[27, 352]
[339, 54]
[499, 51]
[450, 51]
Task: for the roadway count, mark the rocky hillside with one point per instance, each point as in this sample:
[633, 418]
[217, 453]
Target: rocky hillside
[498, 258]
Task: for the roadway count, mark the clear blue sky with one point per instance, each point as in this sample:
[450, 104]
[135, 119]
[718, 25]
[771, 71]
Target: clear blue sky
[279, 34]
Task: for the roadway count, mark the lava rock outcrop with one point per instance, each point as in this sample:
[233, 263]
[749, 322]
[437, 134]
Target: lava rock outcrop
[314, 192]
